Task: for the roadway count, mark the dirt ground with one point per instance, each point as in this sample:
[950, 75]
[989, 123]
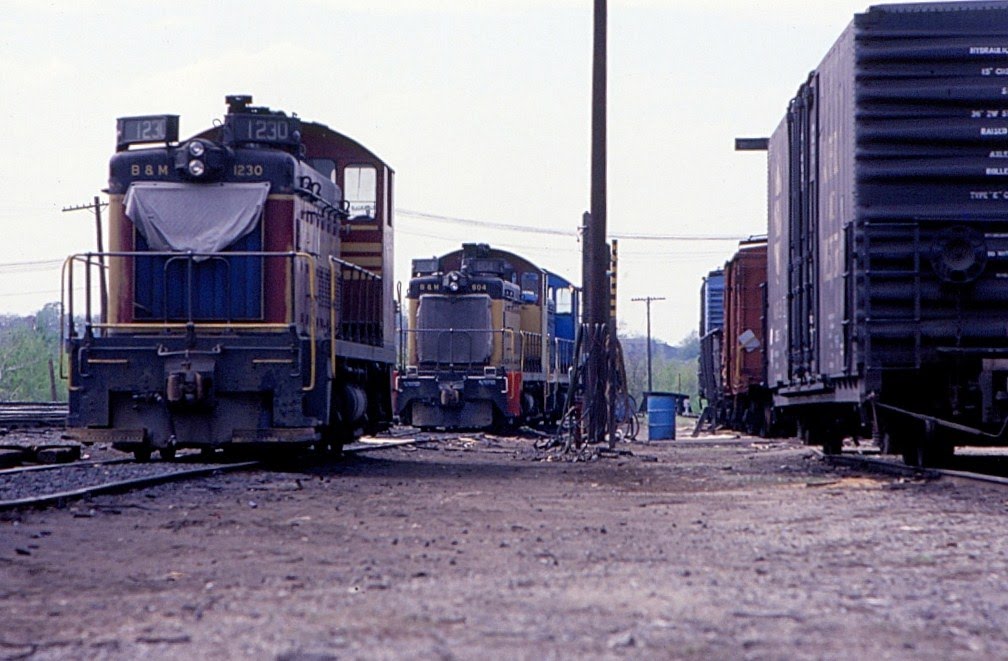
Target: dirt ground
[478, 549]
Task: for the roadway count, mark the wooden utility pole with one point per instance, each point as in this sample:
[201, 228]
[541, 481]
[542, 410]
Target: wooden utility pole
[613, 274]
[595, 326]
[597, 238]
[647, 300]
[97, 205]
[52, 381]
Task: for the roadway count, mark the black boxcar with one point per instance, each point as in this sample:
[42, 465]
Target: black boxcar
[888, 234]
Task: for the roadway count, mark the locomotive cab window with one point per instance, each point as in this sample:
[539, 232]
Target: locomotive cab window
[530, 286]
[325, 166]
[360, 187]
[564, 301]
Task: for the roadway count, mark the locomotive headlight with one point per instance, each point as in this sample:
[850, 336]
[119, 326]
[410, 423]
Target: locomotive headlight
[453, 285]
[200, 160]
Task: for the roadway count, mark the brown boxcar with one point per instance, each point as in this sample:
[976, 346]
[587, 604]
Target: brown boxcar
[746, 401]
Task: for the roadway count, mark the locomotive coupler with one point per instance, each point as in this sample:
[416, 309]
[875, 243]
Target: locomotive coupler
[451, 394]
[189, 380]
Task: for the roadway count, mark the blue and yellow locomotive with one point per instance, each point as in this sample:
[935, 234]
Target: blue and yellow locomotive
[490, 341]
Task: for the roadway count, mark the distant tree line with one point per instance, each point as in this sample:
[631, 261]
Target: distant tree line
[673, 368]
[30, 355]
[29, 344]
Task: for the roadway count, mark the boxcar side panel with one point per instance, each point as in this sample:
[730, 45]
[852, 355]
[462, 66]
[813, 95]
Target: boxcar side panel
[835, 202]
[745, 276]
[778, 240]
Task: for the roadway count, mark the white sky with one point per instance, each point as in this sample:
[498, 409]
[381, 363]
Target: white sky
[481, 106]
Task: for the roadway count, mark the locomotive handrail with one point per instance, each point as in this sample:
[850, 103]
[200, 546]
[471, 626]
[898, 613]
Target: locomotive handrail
[68, 324]
[533, 340]
[417, 332]
[514, 349]
[564, 350]
[371, 306]
[67, 298]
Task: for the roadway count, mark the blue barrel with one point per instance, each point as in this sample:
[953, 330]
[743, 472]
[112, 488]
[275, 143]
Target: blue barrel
[661, 413]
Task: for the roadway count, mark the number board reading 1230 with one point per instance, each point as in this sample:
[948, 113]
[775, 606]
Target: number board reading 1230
[146, 129]
[264, 129]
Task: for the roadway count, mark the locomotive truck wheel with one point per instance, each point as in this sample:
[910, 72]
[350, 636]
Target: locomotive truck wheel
[166, 453]
[143, 454]
[332, 448]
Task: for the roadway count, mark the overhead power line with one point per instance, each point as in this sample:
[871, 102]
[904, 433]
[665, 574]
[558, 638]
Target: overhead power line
[35, 265]
[559, 232]
[483, 223]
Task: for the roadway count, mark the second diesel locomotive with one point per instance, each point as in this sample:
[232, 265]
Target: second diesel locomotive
[490, 341]
[249, 297]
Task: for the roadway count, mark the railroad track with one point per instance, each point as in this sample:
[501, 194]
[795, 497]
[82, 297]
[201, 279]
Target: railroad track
[36, 486]
[878, 464]
[33, 414]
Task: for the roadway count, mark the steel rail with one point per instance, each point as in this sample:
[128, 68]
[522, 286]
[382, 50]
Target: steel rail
[33, 414]
[170, 471]
[48, 467]
[124, 485]
[902, 470]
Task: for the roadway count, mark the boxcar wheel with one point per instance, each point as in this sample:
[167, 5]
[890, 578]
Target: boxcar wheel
[936, 450]
[888, 444]
[832, 443]
[935, 455]
[913, 454]
[930, 453]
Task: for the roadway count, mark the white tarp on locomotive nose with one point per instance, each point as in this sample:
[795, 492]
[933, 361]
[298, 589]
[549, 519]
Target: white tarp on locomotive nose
[203, 218]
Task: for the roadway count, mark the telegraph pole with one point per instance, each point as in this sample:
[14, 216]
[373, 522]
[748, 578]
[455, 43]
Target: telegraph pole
[647, 300]
[97, 205]
[597, 238]
[595, 327]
